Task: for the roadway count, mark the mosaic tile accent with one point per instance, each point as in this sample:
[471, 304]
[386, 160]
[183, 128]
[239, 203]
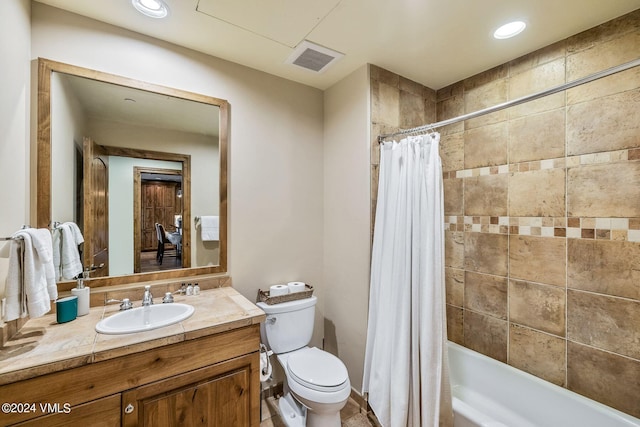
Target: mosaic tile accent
[623, 229]
[562, 162]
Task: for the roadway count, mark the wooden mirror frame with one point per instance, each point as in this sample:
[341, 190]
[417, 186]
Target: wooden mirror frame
[43, 164]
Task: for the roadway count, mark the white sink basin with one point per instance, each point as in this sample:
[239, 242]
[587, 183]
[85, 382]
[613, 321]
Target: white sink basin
[144, 318]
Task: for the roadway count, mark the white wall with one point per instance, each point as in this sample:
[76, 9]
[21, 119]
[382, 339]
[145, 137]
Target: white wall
[14, 115]
[347, 220]
[67, 131]
[275, 158]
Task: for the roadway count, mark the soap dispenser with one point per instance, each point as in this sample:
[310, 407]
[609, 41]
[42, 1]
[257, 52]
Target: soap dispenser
[82, 292]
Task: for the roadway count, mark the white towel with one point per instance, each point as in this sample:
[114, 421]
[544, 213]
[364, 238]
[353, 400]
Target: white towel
[210, 228]
[71, 265]
[14, 292]
[56, 237]
[31, 281]
[4, 271]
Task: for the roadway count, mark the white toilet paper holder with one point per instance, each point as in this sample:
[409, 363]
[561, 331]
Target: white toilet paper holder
[263, 349]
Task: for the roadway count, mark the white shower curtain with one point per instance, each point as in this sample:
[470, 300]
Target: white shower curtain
[405, 371]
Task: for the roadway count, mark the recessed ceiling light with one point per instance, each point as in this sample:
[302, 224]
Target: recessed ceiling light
[509, 30]
[152, 8]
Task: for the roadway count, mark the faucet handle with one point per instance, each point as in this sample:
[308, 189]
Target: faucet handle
[168, 298]
[125, 303]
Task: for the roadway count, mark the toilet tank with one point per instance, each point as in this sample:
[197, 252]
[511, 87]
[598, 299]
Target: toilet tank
[289, 325]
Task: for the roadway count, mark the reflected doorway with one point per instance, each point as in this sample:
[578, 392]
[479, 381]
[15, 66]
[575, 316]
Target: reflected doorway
[158, 201]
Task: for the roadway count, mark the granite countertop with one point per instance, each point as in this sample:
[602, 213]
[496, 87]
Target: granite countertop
[43, 346]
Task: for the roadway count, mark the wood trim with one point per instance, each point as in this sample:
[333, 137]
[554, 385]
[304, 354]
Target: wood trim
[147, 154]
[223, 144]
[62, 67]
[43, 152]
[43, 170]
[98, 284]
[137, 221]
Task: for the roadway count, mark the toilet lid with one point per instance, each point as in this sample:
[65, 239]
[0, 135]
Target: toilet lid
[317, 369]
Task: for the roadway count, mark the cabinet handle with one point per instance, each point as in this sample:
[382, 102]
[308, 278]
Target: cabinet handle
[129, 409]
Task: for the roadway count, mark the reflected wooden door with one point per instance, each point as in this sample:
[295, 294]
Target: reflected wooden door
[158, 205]
[149, 235]
[96, 208]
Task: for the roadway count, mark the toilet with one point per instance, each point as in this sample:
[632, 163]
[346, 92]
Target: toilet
[317, 384]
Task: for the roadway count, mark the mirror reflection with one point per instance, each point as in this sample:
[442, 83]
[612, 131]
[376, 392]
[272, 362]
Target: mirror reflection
[139, 172]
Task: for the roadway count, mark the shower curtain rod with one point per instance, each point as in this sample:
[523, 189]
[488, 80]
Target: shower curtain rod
[517, 101]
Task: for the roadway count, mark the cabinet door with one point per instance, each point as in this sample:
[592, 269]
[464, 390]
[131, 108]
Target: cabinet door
[103, 412]
[219, 395]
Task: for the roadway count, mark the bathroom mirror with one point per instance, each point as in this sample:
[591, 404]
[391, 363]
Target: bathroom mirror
[116, 156]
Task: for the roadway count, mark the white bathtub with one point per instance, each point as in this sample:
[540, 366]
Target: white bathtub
[488, 393]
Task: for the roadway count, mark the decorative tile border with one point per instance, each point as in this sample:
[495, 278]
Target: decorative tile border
[623, 229]
[561, 162]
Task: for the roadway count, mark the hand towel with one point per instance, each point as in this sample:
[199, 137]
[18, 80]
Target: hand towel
[56, 237]
[14, 292]
[4, 271]
[31, 281]
[71, 265]
[209, 228]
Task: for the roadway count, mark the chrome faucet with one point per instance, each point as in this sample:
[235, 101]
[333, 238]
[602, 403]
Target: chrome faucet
[147, 298]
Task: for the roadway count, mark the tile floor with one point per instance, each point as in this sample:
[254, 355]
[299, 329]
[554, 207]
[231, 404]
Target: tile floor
[350, 415]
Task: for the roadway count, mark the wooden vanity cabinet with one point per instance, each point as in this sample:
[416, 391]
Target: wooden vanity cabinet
[103, 412]
[218, 395]
[209, 381]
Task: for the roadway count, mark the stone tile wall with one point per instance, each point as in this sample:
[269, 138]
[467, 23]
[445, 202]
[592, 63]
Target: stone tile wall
[396, 103]
[542, 211]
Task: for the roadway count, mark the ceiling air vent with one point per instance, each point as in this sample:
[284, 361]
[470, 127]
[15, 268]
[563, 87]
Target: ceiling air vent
[313, 57]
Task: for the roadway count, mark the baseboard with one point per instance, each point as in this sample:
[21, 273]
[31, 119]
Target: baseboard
[271, 390]
[363, 403]
[360, 400]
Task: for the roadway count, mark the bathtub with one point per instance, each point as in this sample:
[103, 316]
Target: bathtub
[488, 393]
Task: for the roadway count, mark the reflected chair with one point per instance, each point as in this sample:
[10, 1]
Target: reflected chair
[162, 240]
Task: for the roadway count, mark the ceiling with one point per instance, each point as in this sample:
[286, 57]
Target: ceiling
[120, 104]
[433, 42]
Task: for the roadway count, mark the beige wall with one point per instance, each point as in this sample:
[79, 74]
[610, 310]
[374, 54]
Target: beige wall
[543, 216]
[14, 114]
[346, 221]
[275, 158]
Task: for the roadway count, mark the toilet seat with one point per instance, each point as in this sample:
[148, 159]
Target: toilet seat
[317, 370]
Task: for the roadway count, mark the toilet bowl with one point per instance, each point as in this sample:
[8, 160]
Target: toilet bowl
[319, 382]
[316, 385]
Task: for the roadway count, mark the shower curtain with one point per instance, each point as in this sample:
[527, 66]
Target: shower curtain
[405, 371]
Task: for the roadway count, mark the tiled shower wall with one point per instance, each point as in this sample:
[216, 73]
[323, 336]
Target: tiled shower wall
[396, 103]
[542, 210]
